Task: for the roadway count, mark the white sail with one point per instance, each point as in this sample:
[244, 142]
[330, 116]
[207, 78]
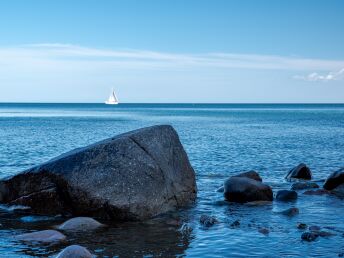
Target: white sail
[113, 100]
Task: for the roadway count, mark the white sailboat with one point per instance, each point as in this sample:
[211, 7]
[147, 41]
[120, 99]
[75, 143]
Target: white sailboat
[113, 100]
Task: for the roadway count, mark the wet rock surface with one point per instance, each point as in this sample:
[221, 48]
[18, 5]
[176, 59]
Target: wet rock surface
[243, 189]
[44, 236]
[74, 251]
[80, 224]
[300, 172]
[316, 192]
[132, 176]
[286, 195]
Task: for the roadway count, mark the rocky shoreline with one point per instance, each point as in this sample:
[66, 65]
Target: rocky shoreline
[144, 173]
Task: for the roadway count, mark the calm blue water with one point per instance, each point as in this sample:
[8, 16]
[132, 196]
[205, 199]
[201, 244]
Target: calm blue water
[221, 140]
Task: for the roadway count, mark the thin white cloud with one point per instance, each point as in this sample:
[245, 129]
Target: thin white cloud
[314, 77]
[73, 56]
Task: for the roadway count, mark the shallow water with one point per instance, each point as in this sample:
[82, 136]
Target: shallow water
[221, 140]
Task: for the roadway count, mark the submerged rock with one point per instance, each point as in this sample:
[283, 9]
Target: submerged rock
[316, 192]
[235, 223]
[74, 251]
[132, 176]
[304, 185]
[44, 236]
[286, 195]
[290, 212]
[314, 228]
[207, 221]
[250, 174]
[300, 172]
[309, 236]
[264, 231]
[301, 226]
[243, 189]
[80, 224]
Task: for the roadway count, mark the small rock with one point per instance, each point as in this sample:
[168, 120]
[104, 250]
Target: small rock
[341, 255]
[309, 236]
[235, 224]
[45, 236]
[250, 174]
[314, 228]
[80, 224]
[207, 221]
[316, 192]
[220, 189]
[290, 212]
[286, 195]
[264, 231]
[243, 189]
[300, 172]
[301, 226]
[74, 251]
[304, 185]
[334, 180]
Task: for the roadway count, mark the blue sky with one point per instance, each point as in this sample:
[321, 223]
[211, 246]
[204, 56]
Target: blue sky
[172, 51]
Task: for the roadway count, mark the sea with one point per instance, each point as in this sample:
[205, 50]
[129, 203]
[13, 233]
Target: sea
[221, 140]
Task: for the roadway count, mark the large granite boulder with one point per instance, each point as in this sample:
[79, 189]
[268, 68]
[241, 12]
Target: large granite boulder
[132, 176]
[300, 172]
[243, 189]
[334, 180]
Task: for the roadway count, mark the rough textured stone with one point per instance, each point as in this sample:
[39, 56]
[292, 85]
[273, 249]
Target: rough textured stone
[264, 231]
[250, 174]
[44, 236]
[80, 224]
[132, 176]
[334, 180]
[304, 185]
[74, 251]
[286, 195]
[243, 189]
[300, 172]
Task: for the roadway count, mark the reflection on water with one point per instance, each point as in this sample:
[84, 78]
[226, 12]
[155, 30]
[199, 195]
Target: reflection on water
[221, 140]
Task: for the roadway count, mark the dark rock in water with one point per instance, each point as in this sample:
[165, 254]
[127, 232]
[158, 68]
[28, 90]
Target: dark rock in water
[325, 234]
[302, 226]
[300, 172]
[242, 189]
[207, 221]
[264, 231]
[286, 195]
[304, 185]
[74, 251]
[132, 176]
[309, 236]
[235, 224]
[316, 192]
[44, 236]
[314, 228]
[334, 180]
[250, 174]
[220, 189]
[80, 224]
[290, 212]
[339, 190]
